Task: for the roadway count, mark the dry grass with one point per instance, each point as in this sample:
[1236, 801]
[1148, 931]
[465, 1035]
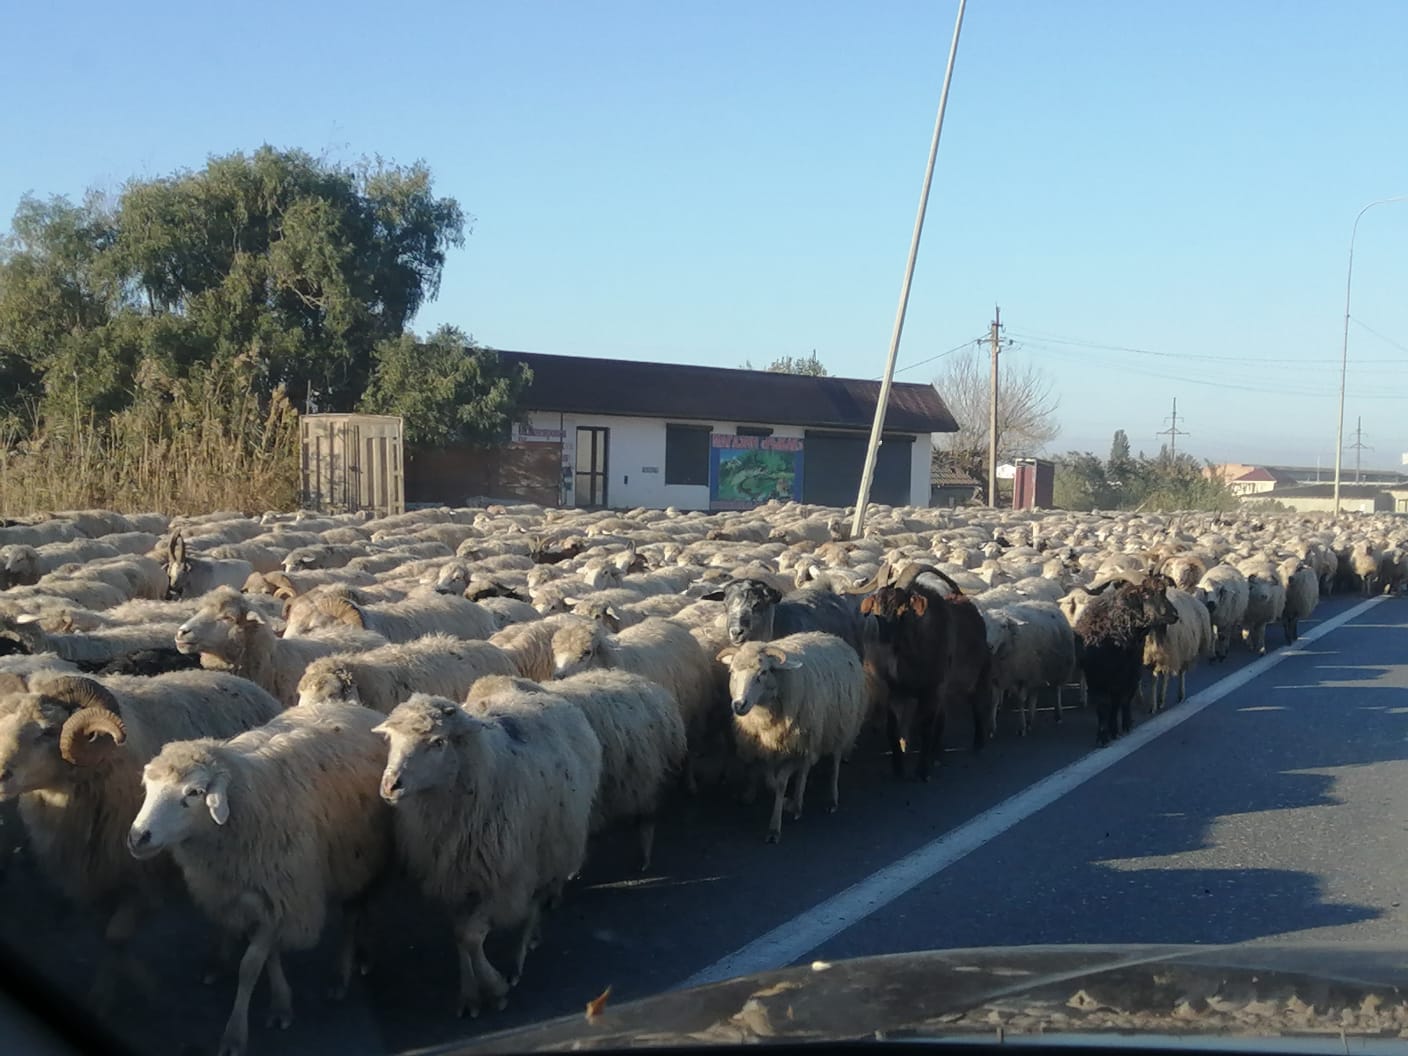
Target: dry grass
[184, 447]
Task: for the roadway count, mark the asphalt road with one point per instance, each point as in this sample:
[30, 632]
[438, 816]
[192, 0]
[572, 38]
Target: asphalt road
[1280, 810]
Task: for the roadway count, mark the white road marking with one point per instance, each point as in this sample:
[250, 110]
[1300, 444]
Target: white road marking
[789, 942]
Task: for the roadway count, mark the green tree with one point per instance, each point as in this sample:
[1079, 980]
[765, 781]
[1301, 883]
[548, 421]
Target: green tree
[810, 365]
[1081, 483]
[446, 388]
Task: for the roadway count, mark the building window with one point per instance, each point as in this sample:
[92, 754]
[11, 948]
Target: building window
[754, 430]
[687, 454]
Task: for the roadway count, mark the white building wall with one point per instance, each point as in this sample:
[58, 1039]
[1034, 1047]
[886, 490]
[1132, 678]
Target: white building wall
[636, 458]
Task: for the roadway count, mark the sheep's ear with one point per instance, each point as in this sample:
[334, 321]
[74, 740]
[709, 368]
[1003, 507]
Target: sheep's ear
[918, 604]
[216, 801]
[251, 616]
[27, 617]
[725, 654]
[867, 604]
[713, 595]
[773, 594]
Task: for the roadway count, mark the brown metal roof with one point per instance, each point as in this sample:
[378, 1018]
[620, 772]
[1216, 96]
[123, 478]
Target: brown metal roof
[579, 385]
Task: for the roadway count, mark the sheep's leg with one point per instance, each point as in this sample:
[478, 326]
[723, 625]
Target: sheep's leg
[351, 955]
[280, 995]
[478, 977]
[932, 737]
[117, 962]
[236, 1035]
[1060, 693]
[799, 788]
[835, 784]
[892, 733]
[645, 832]
[777, 780]
[222, 955]
[1182, 685]
[525, 942]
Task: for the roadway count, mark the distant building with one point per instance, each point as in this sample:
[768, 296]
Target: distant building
[1320, 498]
[951, 487]
[1260, 479]
[621, 433]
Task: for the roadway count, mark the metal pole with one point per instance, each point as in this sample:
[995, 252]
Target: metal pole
[1344, 348]
[992, 412]
[882, 403]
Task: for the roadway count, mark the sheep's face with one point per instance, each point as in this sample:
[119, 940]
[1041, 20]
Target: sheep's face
[323, 685]
[453, 579]
[303, 616]
[29, 746]
[752, 677]
[576, 649]
[302, 559]
[180, 798]
[748, 609]
[219, 628]
[421, 735]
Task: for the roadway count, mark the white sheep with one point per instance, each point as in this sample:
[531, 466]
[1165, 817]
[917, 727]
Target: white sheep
[1266, 603]
[660, 650]
[642, 740]
[381, 678]
[508, 611]
[418, 614]
[491, 814]
[72, 751]
[1036, 649]
[229, 632]
[795, 699]
[22, 565]
[1227, 589]
[1173, 649]
[268, 828]
[1302, 588]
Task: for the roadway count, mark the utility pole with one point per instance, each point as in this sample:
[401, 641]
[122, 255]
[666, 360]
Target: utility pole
[1172, 432]
[992, 409]
[1359, 446]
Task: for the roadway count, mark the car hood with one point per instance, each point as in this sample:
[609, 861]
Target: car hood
[1233, 996]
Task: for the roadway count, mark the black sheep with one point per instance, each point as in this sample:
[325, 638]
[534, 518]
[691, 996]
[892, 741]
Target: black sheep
[1111, 633]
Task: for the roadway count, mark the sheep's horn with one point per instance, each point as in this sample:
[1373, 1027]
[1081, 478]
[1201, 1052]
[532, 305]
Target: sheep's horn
[75, 692]
[906, 579]
[875, 582]
[344, 611]
[283, 586]
[84, 727]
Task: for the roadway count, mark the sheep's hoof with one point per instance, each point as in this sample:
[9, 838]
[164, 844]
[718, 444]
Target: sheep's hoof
[773, 836]
[279, 1017]
[467, 1007]
[232, 1046]
[833, 808]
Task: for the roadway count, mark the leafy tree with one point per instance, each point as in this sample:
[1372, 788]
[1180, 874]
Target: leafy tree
[1026, 411]
[809, 365]
[301, 264]
[446, 388]
[1081, 483]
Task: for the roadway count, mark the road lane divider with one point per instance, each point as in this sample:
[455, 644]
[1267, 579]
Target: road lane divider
[790, 941]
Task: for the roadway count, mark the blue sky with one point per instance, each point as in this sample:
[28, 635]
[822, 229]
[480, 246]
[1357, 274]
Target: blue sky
[721, 181]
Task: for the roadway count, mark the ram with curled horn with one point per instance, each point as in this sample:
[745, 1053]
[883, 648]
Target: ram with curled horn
[95, 713]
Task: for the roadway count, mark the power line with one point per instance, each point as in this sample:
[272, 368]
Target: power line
[1382, 337]
[941, 355]
[1173, 432]
[1264, 361]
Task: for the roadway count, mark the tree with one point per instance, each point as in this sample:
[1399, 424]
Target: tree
[1081, 483]
[303, 265]
[447, 389]
[808, 365]
[1026, 411]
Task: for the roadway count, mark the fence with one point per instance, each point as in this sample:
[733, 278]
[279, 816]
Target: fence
[352, 462]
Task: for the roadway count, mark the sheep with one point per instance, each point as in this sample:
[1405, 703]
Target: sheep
[1112, 630]
[228, 631]
[529, 644]
[1302, 588]
[660, 650]
[1266, 603]
[1174, 648]
[99, 646]
[290, 822]
[23, 565]
[1364, 563]
[1037, 650]
[1228, 591]
[71, 752]
[508, 611]
[40, 534]
[262, 556]
[1185, 570]
[285, 586]
[381, 678]
[419, 614]
[491, 815]
[322, 555]
[757, 612]
[795, 699]
[642, 741]
[194, 577]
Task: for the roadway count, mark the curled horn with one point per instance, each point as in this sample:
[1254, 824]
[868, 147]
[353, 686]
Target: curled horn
[95, 712]
[283, 586]
[343, 610]
[875, 582]
[906, 579]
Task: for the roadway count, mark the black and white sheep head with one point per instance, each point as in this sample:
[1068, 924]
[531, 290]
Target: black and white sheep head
[423, 736]
[748, 609]
[453, 578]
[185, 791]
[178, 568]
[53, 731]
[752, 674]
[220, 627]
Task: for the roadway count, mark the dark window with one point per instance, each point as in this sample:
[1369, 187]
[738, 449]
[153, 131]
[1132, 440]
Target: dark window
[754, 430]
[687, 454]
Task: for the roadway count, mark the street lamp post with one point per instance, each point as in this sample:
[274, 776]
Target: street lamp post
[1344, 349]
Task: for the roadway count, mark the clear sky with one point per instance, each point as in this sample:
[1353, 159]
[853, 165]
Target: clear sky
[723, 180]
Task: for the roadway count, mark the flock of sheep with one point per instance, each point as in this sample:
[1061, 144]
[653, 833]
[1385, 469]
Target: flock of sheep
[269, 716]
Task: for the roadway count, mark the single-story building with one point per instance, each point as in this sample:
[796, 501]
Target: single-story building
[621, 434]
[1260, 479]
[952, 487]
[1320, 498]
